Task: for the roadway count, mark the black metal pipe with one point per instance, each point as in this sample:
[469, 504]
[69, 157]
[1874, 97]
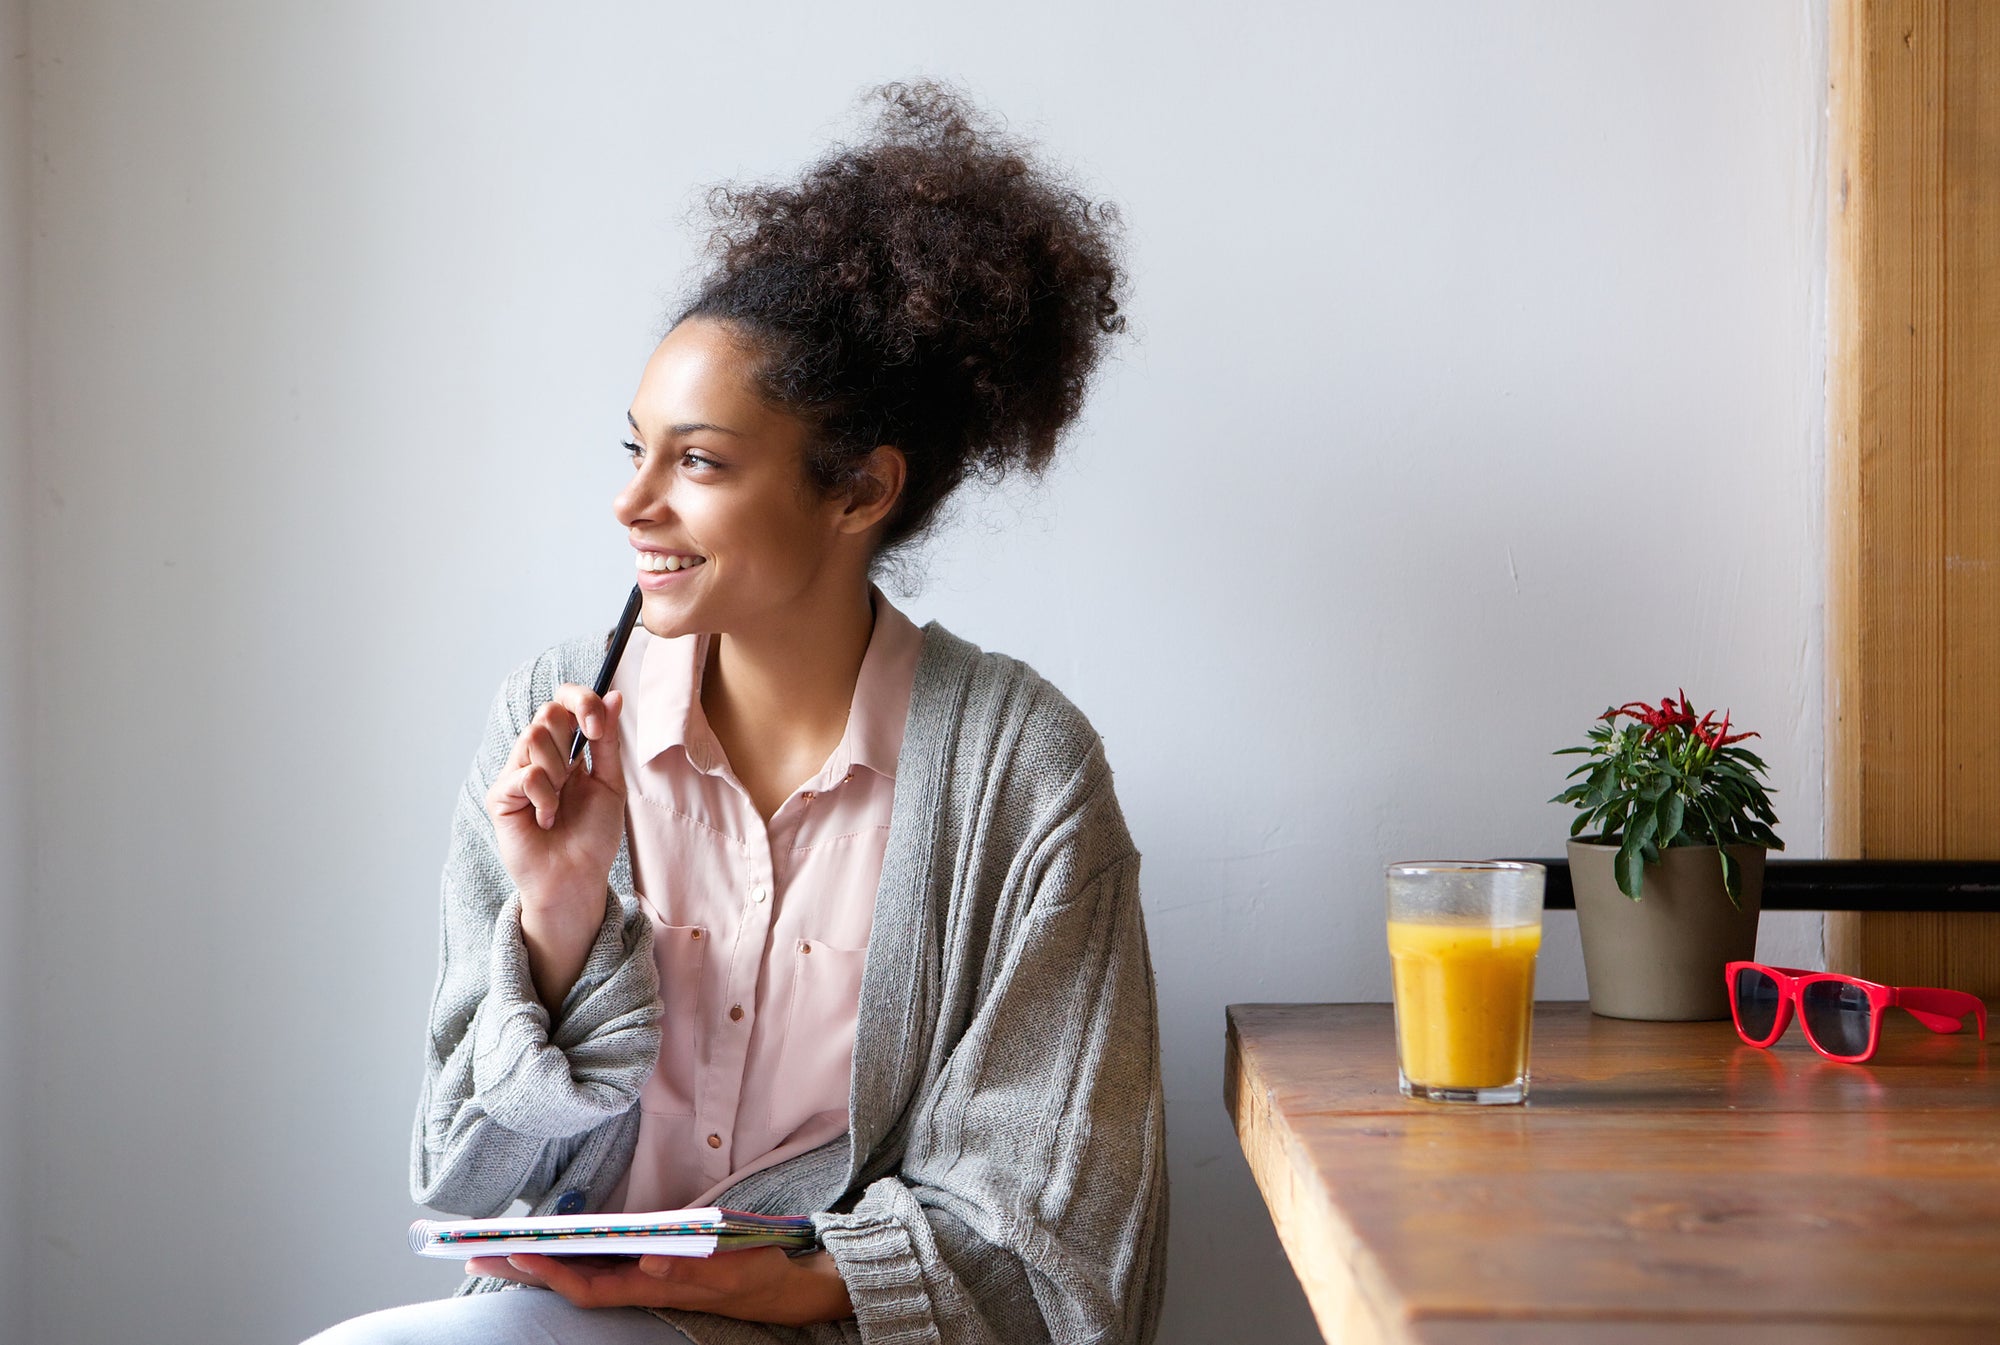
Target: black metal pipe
[1849, 885]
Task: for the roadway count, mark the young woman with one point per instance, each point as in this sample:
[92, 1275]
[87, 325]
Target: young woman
[837, 915]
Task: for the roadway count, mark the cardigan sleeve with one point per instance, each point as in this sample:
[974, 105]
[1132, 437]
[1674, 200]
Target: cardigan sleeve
[511, 1092]
[1031, 1201]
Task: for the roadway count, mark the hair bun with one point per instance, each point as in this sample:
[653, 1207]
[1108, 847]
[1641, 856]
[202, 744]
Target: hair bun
[934, 287]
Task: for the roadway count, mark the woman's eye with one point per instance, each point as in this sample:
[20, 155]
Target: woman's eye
[689, 457]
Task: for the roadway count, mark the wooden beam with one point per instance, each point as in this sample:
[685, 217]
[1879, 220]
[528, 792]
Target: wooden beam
[1913, 612]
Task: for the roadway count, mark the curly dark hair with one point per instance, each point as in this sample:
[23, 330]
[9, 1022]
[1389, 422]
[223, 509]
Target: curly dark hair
[934, 288]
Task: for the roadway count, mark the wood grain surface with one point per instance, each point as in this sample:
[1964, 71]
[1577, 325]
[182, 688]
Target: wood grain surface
[1662, 1179]
[1913, 603]
[1679, 1333]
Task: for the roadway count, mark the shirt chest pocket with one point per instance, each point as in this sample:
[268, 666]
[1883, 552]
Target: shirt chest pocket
[816, 1057]
[681, 954]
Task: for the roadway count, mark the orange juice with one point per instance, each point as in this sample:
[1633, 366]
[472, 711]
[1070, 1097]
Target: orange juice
[1464, 994]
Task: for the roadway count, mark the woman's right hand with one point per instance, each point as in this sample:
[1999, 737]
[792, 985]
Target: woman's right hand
[557, 828]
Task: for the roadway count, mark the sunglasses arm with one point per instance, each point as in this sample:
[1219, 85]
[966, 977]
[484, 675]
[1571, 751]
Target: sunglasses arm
[1942, 1010]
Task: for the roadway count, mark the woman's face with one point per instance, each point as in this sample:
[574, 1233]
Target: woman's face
[718, 489]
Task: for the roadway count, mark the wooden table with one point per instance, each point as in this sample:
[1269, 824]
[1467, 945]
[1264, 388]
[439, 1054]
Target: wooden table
[1663, 1183]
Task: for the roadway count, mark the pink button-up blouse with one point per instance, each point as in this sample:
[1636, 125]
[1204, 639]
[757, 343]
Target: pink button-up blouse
[759, 931]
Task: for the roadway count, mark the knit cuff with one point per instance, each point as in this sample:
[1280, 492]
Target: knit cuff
[608, 956]
[522, 1079]
[884, 1278]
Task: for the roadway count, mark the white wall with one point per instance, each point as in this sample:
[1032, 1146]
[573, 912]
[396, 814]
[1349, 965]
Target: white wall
[15, 796]
[1477, 384]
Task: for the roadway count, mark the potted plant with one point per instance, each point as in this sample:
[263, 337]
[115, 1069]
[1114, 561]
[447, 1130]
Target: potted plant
[1666, 858]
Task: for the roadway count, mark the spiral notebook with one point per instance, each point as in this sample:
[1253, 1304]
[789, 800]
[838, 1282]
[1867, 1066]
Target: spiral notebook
[702, 1232]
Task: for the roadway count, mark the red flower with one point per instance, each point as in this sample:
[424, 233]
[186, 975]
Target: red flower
[1720, 737]
[1657, 719]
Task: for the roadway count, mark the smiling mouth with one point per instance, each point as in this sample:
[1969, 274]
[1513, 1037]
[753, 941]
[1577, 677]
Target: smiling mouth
[652, 562]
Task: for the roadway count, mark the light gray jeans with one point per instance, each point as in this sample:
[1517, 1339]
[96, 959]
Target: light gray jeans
[510, 1317]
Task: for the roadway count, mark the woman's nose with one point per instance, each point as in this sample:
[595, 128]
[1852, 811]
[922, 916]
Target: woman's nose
[638, 502]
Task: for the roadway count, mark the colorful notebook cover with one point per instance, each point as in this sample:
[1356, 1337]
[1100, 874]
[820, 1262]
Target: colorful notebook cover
[700, 1232]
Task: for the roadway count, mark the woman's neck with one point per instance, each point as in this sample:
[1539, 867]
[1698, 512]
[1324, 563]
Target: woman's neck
[777, 696]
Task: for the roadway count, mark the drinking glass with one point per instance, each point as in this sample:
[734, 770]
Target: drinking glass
[1463, 935]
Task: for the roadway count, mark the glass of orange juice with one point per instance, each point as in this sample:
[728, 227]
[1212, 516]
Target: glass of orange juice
[1463, 935]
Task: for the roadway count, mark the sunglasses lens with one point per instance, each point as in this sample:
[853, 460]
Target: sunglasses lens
[1756, 1003]
[1837, 1015]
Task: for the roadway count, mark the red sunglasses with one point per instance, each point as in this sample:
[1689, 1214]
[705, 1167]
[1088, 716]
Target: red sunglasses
[1842, 1015]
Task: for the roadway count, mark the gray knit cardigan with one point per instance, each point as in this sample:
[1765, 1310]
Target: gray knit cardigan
[1004, 1177]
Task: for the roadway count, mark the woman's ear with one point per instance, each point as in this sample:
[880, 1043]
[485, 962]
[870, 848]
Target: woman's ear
[878, 484]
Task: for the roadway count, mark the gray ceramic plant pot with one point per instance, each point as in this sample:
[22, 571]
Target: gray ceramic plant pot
[1662, 957]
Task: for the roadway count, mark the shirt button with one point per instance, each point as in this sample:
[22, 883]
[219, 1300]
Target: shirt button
[715, 1141]
[736, 1013]
[805, 948]
[759, 892]
[570, 1202]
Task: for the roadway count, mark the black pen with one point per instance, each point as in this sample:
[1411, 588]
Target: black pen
[614, 649]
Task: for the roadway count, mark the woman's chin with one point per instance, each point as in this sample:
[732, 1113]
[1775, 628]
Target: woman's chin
[666, 619]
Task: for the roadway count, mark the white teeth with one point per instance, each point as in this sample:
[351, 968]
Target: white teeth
[654, 562]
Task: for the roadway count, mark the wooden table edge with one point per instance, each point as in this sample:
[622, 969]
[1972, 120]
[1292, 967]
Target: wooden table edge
[1358, 1305]
[1354, 1300]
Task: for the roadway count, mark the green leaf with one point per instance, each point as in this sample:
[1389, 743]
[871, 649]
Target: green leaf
[1603, 781]
[1629, 869]
[1672, 810]
[1631, 855]
[1764, 836]
[1732, 878]
[1708, 818]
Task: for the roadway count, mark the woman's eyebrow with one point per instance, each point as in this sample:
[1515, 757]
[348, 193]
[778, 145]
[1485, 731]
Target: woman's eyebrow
[688, 428]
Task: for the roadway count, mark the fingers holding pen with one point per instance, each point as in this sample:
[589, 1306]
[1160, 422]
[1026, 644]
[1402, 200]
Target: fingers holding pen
[539, 769]
[519, 789]
[579, 708]
[546, 736]
[607, 754]
[536, 770]
[579, 715]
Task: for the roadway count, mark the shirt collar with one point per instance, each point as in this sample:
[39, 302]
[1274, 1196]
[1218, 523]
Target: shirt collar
[874, 736]
[669, 696]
